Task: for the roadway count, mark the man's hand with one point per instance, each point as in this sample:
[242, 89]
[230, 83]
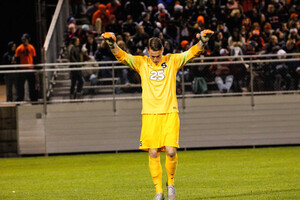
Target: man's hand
[205, 35]
[110, 39]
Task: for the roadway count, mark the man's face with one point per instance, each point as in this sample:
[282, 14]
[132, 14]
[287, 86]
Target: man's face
[156, 56]
[25, 42]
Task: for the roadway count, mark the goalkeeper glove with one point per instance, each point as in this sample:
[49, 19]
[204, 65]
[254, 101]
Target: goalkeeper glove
[110, 39]
[204, 36]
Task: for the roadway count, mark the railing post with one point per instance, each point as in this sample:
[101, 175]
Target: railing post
[251, 83]
[44, 81]
[114, 88]
[183, 89]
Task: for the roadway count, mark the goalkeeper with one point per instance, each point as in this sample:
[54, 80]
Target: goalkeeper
[160, 120]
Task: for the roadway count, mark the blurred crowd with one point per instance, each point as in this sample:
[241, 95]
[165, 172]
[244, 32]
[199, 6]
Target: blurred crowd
[242, 27]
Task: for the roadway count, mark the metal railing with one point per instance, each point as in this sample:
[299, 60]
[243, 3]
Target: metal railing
[46, 68]
[53, 41]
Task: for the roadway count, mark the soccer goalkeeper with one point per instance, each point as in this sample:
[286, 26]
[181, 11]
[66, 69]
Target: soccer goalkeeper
[160, 120]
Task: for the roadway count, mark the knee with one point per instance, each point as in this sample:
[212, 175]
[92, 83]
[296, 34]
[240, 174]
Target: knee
[153, 153]
[171, 153]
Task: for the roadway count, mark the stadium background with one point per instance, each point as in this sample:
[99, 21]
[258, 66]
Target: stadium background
[96, 123]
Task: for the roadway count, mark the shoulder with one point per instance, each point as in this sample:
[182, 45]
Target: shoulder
[31, 46]
[20, 47]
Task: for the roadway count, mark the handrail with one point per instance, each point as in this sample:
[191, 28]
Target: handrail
[53, 24]
[123, 66]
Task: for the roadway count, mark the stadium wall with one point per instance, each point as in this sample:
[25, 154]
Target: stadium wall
[205, 123]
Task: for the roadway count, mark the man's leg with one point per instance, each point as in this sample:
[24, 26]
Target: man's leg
[171, 165]
[155, 169]
[20, 86]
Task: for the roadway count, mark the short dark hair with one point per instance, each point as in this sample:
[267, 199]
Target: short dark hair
[155, 44]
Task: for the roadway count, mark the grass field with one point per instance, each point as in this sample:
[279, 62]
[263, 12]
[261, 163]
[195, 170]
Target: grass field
[263, 173]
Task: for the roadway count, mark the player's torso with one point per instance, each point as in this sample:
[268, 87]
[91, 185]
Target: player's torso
[159, 85]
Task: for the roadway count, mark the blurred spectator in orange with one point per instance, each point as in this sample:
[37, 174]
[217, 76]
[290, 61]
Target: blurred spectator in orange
[102, 13]
[26, 54]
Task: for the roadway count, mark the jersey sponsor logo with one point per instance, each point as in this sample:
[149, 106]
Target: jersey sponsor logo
[157, 75]
[164, 65]
[174, 107]
[141, 143]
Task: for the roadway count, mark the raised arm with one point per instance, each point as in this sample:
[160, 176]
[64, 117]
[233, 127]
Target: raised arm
[204, 37]
[110, 39]
[122, 56]
[185, 57]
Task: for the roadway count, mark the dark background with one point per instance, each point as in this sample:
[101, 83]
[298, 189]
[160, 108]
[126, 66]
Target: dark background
[22, 16]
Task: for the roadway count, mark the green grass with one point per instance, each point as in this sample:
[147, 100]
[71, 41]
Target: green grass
[264, 173]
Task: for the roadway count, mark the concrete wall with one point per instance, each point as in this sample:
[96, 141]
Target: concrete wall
[206, 122]
[8, 131]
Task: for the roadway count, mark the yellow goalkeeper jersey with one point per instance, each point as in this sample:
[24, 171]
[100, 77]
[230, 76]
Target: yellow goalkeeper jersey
[158, 81]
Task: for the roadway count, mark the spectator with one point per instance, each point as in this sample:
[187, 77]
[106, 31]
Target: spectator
[293, 19]
[178, 12]
[140, 38]
[26, 54]
[162, 11]
[267, 32]
[294, 35]
[234, 20]
[222, 73]
[247, 23]
[282, 74]
[70, 33]
[77, 7]
[218, 43]
[76, 75]
[257, 17]
[272, 16]
[273, 43]
[283, 32]
[83, 33]
[290, 46]
[213, 9]
[260, 43]
[10, 79]
[90, 45]
[131, 48]
[103, 54]
[103, 14]
[134, 8]
[295, 71]
[248, 6]
[113, 6]
[236, 40]
[92, 9]
[168, 47]
[221, 27]
[113, 26]
[129, 26]
[148, 26]
[213, 24]
[189, 10]
[90, 75]
[172, 31]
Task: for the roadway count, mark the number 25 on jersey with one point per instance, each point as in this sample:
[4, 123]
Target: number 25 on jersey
[157, 75]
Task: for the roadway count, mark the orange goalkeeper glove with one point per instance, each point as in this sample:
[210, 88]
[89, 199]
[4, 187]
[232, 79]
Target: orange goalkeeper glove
[110, 39]
[204, 36]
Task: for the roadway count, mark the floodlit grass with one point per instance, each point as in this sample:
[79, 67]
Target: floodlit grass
[264, 173]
